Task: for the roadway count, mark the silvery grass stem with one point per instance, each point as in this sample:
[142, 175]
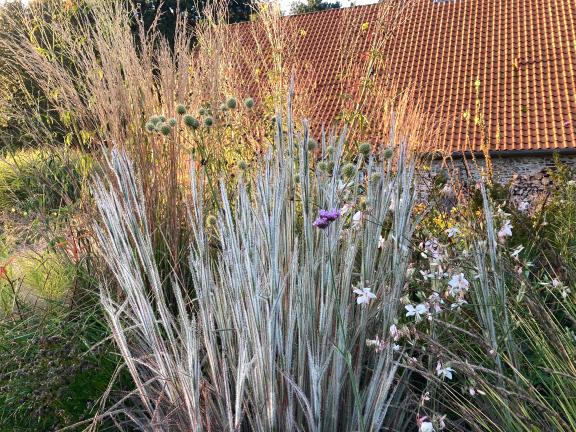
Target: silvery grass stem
[269, 335]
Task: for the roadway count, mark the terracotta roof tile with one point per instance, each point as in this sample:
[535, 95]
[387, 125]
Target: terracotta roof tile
[523, 52]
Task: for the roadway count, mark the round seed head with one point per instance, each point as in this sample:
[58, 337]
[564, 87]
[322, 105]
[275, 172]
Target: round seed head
[388, 153]
[150, 126]
[162, 119]
[172, 122]
[165, 129]
[249, 102]
[365, 148]
[323, 166]
[191, 122]
[231, 103]
[154, 120]
[349, 170]
[181, 109]
[330, 150]
[242, 165]
[376, 177]
[211, 220]
[312, 144]
[330, 166]
[202, 111]
[208, 121]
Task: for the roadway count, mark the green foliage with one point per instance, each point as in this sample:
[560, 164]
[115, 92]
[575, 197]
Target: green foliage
[42, 180]
[42, 276]
[313, 6]
[558, 220]
[161, 13]
[51, 376]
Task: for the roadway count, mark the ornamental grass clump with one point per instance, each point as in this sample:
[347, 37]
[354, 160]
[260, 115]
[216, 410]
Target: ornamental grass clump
[271, 332]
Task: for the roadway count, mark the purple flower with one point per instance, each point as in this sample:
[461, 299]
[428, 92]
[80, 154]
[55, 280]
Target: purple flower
[330, 215]
[321, 222]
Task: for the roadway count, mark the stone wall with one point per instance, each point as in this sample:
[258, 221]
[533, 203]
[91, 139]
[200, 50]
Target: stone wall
[528, 176]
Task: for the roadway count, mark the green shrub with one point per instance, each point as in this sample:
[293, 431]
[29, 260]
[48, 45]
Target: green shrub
[51, 376]
[41, 180]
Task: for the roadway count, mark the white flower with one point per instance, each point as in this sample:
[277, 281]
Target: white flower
[459, 303]
[381, 242]
[444, 372]
[426, 427]
[417, 311]
[378, 344]
[435, 302]
[357, 219]
[523, 206]
[394, 332]
[564, 290]
[345, 209]
[505, 231]
[458, 283]
[427, 274]
[423, 425]
[432, 249]
[395, 347]
[364, 295]
[453, 231]
[441, 422]
[472, 391]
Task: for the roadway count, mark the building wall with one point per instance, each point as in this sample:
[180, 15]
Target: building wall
[528, 176]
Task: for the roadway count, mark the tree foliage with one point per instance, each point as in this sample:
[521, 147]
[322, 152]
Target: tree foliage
[301, 7]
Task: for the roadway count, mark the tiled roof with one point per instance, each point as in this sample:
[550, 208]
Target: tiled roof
[518, 56]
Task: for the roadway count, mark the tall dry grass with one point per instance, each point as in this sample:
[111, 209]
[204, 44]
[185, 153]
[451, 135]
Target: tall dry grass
[102, 80]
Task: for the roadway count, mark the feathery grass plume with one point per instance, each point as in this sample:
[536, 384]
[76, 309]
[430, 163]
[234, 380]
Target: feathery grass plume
[274, 330]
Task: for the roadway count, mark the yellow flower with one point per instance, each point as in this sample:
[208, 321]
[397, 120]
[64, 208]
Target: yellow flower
[364, 26]
[477, 84]
[466, 115]
[257, 71]
[302, 32]
[419, 208]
